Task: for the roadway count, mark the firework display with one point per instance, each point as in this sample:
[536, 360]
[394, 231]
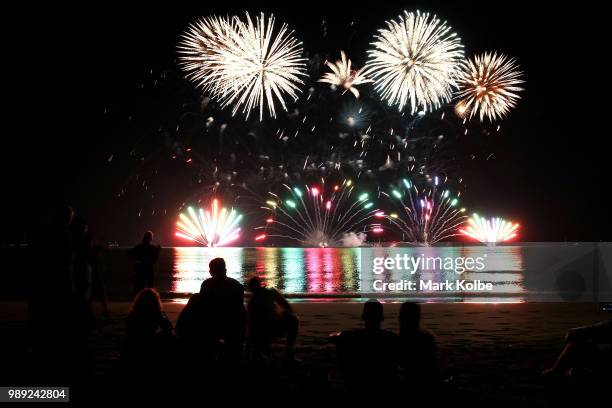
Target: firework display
[488, 86]
[318, 215]
[414, 61]
[344, 76]
[427, 214]
[215, 227]
[405, 111]
[491, 230]
[244, 63]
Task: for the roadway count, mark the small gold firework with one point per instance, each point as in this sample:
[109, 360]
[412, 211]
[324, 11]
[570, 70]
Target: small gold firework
[343, 76]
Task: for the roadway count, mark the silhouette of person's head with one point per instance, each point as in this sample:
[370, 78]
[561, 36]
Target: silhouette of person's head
[372, 314]
[255, 283]
[217, 268]
[147, 304]
[79, 225]
[147, 238]
[60, 216]
[409, 316]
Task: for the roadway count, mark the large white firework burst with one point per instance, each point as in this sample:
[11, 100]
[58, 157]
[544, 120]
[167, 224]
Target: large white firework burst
[414, 61]
[488, 86]
[243, 62]
[344, 76]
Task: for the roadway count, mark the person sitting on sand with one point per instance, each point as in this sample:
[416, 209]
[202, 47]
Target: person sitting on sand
[147, 331]
[145, 254]
[215, 315]
[269, 316]
[417, 346]
[368, 356]
[586, 349]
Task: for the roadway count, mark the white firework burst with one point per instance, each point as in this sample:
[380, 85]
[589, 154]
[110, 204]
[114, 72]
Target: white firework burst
[414, 61]
[343, 76]
[244, 62]
[488, 86]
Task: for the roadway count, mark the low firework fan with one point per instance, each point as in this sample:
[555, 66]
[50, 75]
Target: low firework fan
[318, 215]
[427, 213]
[216, 226]
[490, 230]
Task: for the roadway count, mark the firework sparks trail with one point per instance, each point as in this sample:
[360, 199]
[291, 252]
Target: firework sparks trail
[244, 62]
[488, 86]
[490, 230]
[429, 214]
[414, 62]
[317, 215]
[214, 227]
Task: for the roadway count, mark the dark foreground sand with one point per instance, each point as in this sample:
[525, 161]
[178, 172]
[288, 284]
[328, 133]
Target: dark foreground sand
[491, 353]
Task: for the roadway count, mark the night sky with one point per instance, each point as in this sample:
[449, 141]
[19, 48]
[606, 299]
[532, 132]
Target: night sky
[88, 94]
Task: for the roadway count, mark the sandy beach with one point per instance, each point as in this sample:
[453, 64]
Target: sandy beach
[492, 353]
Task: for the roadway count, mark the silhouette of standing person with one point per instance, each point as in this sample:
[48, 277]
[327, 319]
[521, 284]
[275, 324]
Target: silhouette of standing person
[82, 247]
[216, 316]
[100, 265]
[145, 254]
[52, 297]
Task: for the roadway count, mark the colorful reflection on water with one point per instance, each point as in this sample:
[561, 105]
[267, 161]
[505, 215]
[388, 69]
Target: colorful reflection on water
[336, 271]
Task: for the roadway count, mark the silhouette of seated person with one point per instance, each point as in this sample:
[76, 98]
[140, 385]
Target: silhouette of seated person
[270, 316]
[145, 254]
[586, 352]
[367, 357]
[417, 347]
[213, 323]
[147, 330]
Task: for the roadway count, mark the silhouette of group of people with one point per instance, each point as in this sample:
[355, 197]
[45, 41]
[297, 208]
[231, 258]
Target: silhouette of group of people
[215, 326]
[372, 356]
[212, 327]
[215, 329]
